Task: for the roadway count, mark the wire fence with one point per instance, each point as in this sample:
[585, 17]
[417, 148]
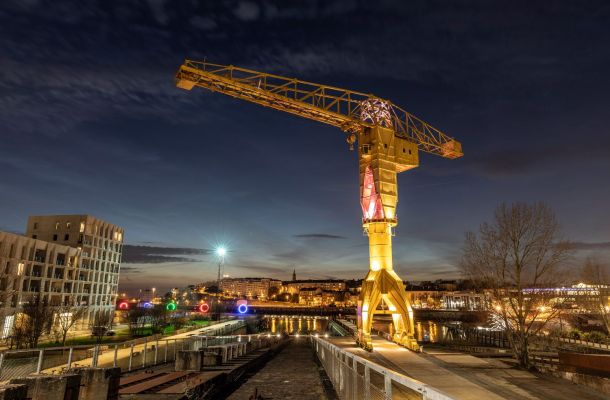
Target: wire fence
[131, 355]
[356, 378]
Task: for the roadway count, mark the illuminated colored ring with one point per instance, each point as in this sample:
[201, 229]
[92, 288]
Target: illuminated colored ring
[123, 305]
[147, 305]
[242, 308]
[170, 307]
[204, 308]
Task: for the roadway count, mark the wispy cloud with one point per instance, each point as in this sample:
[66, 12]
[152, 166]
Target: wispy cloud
[318, 236]
[157, 255]
[590, 245]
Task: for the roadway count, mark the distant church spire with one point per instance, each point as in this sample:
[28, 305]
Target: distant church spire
[294, 274]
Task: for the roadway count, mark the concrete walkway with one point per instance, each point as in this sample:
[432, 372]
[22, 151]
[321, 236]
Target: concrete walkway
[463, 376]
[292, 374]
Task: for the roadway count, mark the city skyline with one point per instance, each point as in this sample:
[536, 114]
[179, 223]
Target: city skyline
[93, 124]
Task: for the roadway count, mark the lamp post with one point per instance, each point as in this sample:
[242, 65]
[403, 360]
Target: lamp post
[220, 252]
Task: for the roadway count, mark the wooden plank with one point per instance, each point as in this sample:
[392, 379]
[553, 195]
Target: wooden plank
[126, 380]
[196, 381]
[141, 387]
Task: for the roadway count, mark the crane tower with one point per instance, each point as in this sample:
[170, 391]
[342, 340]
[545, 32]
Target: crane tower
[389, 140]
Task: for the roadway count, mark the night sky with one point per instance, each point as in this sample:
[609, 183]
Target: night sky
[91, 122]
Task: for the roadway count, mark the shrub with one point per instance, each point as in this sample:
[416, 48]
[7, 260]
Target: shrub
[575, 334]
[596, 337]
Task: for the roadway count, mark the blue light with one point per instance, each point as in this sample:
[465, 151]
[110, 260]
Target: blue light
[242, 308]
[147, 305]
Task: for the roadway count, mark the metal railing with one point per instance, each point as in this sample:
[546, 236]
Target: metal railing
[605, 346]
[356, 378]
[130, 355]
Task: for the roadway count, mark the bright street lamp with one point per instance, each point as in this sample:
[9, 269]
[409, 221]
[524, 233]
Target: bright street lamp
[221, 251]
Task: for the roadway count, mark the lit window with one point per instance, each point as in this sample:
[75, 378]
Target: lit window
[8, 326]
[68, 225]
[20, 268]
[82, 227]
[57, 226]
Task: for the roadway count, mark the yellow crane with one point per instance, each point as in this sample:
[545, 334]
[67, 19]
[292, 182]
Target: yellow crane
[389, 141]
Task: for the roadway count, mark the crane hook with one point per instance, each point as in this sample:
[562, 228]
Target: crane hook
[351, 139]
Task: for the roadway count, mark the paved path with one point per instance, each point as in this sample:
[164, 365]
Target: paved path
[463, 376]
[292, 374]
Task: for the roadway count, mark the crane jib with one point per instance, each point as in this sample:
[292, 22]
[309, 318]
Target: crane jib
[347, 110]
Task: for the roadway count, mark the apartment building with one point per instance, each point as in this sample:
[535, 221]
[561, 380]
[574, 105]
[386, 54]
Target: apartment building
[249, 287]
[64, 259]
[295, 286]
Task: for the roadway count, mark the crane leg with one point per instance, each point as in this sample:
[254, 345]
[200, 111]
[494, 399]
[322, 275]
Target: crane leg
[370, 296]
[380, 283]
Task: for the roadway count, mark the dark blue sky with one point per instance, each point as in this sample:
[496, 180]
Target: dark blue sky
[91, 122]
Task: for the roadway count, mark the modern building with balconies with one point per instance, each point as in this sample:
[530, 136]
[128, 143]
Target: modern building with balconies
[63, 260]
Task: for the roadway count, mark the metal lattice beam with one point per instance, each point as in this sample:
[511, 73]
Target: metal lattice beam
[348, 110]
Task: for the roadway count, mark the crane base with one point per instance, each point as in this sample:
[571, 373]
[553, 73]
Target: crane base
[387, 286]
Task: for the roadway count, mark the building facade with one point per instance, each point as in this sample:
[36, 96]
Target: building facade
[64, 260]
[467, 301]
[295, 287]
[249, 287]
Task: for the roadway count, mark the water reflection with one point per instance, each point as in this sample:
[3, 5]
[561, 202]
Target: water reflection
[295, 324]
[425, 331]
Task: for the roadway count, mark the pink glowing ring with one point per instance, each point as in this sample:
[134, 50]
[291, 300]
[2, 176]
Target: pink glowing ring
[204, 308]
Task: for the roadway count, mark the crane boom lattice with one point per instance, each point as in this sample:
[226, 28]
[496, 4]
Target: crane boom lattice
[345, 109]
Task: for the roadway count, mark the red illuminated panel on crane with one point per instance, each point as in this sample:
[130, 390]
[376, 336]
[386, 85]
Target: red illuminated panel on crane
[370, 201]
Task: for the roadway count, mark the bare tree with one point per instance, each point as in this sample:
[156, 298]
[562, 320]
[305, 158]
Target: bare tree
[66, 316]
[518, 257]
[158, 318]
[597, 275]
[137, 321]
[100, 323]
[36, 318]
